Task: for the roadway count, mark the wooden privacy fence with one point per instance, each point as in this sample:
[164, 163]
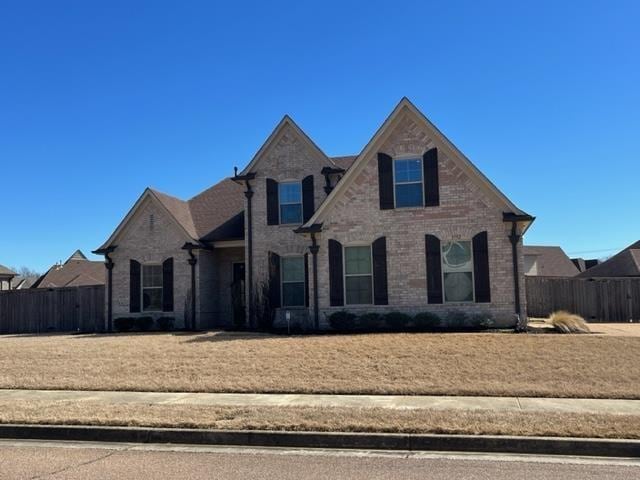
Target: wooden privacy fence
[597, 300]
[52, 310]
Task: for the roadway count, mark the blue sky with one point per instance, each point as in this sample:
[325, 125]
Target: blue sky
[100, 99]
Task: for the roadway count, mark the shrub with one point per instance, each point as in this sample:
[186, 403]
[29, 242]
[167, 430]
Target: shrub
[481, 321]
[456, 319]
[123, 324]
[397, 320]
[143, 323]
[369, 321]
[427, 321]
[342, 321]
[165, 323]
[566, 322]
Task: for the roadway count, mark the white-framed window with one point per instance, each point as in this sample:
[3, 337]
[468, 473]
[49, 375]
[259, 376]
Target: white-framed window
[151, 288]
[290, 195]
[457, 271]
[358, 275]
[292, 278]
[408, 182]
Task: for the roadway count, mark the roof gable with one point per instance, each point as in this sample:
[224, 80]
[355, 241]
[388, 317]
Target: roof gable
[625, 263]
[286, 123]
[551, 261]
[405, 107]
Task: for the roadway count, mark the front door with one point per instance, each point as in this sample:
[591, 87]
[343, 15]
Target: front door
[237, 294]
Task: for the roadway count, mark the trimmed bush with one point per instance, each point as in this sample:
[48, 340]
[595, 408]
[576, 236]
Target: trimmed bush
[143, 323]
[165, 323]
[123, 324]
[427, 321]
[369, 321]
[397, 320]
[456, 319]
[481, 321]
[342, 321]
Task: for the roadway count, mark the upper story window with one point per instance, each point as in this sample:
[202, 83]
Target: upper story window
[292, 272]
[358, 275]
[152, 288]
[290, 195]
[407, 174]
[457, 271]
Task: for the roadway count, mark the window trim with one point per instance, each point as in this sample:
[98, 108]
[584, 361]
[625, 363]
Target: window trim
[473, 274]
[142, 287]
[282, 281]
[421, 182]
[281, 203]
[345, 275]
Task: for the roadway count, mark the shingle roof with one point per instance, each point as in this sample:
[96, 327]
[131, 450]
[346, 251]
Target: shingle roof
[72, 273]
[179, 209]
[624, 264]
[6, 271]
[216, 205]
[344, 161]
[551, 261]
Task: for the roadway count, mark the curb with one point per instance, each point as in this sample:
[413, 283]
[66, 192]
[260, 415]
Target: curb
[365, 441]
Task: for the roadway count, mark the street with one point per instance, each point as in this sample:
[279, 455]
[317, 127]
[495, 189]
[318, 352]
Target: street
[76, 460]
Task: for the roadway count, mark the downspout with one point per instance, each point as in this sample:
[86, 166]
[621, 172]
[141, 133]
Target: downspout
[314, 255]
[192, 261]
[249, 271]
[109, 264]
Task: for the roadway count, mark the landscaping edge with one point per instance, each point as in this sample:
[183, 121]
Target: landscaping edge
[365, 441]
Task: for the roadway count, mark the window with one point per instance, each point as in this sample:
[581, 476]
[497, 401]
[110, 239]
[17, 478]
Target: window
[292, 273]
[290, 195]
[151, 288]
[358, 277]
[457, 271]
[408, 182]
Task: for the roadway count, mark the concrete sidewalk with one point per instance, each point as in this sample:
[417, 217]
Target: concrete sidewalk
[503, 404]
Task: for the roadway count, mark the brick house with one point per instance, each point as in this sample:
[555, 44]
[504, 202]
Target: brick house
[409, 224]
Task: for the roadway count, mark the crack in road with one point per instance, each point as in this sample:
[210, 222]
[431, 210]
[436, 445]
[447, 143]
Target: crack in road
[81, 464]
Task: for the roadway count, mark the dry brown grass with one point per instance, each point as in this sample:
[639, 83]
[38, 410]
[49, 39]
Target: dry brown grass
[565, 322]
[474, 422]
[438, 364]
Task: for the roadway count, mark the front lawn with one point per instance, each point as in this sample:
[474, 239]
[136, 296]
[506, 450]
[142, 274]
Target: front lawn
[438, 364]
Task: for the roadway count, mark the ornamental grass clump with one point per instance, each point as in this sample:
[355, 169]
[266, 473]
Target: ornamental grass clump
[565, 322]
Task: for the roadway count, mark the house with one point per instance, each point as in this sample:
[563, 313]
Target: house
[6, 278]
[21, 282]
[548, 261]
[625, 263]
[408, 224]
[76, 271]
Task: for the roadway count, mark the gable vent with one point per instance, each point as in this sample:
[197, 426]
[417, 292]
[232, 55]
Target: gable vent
[152, 221]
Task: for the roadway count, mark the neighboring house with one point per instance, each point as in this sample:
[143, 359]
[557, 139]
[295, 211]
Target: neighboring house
[76, 271]
[6, 278]
[548, 261]
[409, 224]
[583, 265]
[22, 283]
[624, 264]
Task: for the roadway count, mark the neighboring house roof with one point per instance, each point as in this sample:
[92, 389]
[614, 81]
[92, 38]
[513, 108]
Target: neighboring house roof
[76, 271]
[624, 264]
[344, 161]
[21, 283]
[551, 261]
[406, 107]
[7, 272]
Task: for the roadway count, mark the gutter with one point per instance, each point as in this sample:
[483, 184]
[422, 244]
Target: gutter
[109, 266]
[249, 219]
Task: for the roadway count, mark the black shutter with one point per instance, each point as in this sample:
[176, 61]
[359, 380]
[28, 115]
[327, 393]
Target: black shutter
[431, 182]
[274, 280]
[434, 269]
[273, 216]
[385, 181]
[481, 268]
[336, 281]
[307, 198]
[306, 279]
[379, 253]
[167, 285]
[134, 286]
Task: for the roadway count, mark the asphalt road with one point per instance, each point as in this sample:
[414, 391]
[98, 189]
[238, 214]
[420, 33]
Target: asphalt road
[59, 460]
